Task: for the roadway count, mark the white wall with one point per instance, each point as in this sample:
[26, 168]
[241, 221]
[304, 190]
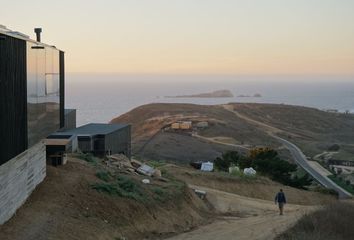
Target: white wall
[19, 177]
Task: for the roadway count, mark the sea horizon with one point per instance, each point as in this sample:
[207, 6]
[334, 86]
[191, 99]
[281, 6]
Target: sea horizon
[102, 97]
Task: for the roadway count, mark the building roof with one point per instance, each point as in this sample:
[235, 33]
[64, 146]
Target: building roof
[93, 129]
[5, 31]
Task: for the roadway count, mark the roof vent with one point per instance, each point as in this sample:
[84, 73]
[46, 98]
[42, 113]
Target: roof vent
[38, 32]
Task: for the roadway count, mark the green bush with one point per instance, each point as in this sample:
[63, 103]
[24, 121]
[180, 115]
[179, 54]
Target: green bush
[226, 160]
[109, 188]
[103, 175]
[161, 194]
[265, 161]
[88, 157]
[123, 187]
[334, 148]
[156, 164]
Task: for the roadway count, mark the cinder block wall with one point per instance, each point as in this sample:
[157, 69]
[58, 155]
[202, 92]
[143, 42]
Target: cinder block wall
[19, 177]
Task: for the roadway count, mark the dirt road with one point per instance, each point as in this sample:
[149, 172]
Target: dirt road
[220, 142]
[244, 218]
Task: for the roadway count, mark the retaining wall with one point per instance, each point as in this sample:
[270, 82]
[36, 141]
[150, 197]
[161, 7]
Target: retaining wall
[19, 177]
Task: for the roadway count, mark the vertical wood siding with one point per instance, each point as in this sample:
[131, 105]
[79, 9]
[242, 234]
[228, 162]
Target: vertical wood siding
[13, 98]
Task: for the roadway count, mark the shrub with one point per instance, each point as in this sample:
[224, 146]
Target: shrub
[103, 175]
[267, 162]
[111, 189]
[88, 157]
[123, 187]
[334, 148]
[157, 164]
[160, 194]
[226, 160]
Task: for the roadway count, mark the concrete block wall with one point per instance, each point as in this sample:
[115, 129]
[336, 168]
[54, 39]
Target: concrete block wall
[19, 177]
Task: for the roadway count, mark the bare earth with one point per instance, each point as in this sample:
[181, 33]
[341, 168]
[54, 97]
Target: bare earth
[248, 218]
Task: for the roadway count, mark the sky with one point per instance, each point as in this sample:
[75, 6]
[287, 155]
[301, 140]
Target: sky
[259, 37]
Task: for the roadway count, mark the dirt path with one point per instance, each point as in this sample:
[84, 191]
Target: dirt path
[220, 142]
[267, 128]
[243, 218]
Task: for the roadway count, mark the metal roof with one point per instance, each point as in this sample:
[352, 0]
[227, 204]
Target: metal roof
[93, 129]
[5, 31]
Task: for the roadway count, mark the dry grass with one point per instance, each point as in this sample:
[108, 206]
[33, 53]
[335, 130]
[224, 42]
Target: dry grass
[333, 222]
[259, 187]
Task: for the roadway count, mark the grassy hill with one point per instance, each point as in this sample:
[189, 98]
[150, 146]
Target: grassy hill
[314, 131]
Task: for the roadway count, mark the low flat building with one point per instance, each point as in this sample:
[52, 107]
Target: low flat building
[99, 139]
[186, 125]
[70, 119]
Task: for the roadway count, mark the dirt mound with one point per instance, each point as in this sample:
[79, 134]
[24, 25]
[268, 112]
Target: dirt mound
[65, 206]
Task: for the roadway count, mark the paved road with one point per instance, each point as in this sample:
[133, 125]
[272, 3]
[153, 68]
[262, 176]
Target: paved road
[298, 155]
[300, 158]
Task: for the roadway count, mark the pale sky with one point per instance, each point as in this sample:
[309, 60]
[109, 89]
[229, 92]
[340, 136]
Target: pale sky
[193, 36]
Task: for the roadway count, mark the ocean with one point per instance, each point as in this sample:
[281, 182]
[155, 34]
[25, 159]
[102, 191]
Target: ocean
[101, 97]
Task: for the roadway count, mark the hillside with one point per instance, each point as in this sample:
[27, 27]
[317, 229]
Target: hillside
[239, 124]
[312, 129]
[66, 205]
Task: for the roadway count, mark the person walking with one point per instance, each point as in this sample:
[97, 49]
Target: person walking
[280, 200]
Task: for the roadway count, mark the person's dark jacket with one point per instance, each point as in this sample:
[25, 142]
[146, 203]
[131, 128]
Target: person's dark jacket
[280, 197]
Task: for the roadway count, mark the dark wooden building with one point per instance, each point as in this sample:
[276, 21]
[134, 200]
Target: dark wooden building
[31, 92]
[100, 139]
[31, 108]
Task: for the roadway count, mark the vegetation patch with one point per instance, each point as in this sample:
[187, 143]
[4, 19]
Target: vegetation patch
[330, 223]
[88, 157]
[344, 184]
[161, 194]
[130, 187]
[103, 175]
[266, 162]
[123, 187]
[156, 164]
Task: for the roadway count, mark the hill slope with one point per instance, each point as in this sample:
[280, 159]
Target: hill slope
[313, 130]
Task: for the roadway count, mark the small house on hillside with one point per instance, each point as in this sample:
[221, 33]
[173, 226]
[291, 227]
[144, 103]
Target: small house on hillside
[98, 138]
[182, 125]
[186, 125]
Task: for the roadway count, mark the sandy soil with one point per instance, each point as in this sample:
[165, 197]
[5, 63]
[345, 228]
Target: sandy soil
[247, 218]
